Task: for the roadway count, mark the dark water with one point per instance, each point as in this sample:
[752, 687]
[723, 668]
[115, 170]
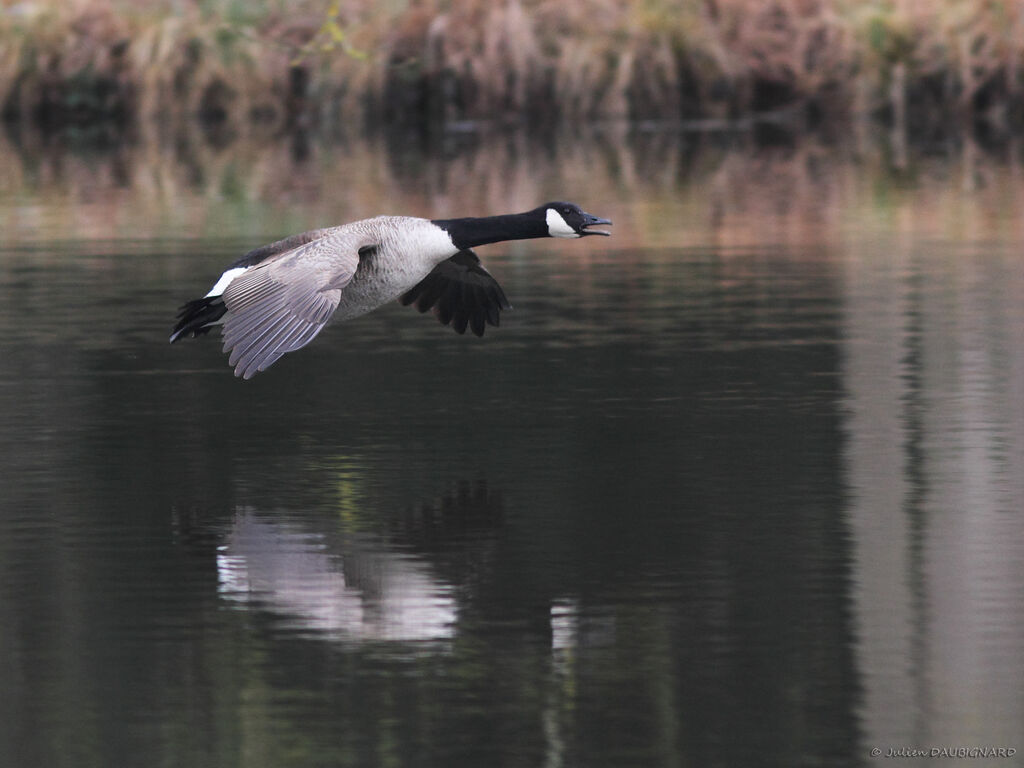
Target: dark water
[698, 504]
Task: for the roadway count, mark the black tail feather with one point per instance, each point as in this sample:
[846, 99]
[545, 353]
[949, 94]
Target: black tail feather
[197, 317]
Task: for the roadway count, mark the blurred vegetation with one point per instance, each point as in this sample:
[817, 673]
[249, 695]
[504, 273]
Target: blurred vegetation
[327, 62]
[660, 187]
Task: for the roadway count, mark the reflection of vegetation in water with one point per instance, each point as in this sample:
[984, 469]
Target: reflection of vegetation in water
[281, 64]
[660, 188]
[348, 477]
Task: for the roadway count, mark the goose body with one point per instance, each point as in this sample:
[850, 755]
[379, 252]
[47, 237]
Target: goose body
[277, 298]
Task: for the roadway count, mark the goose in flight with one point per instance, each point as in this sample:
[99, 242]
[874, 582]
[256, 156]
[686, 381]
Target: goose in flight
[277, 298]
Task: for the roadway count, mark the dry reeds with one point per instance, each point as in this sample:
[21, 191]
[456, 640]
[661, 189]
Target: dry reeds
[523, 60]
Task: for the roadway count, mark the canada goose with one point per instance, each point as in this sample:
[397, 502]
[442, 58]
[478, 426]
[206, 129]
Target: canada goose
[277, 298]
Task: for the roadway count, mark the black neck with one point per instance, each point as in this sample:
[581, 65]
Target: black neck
[471, 232]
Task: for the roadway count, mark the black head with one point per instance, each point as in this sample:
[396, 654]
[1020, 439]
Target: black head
[550, 220]
[569, 220]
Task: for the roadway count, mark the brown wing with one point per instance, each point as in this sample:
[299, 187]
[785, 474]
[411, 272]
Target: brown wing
[282, 304]
[461, 292]
[265, 252]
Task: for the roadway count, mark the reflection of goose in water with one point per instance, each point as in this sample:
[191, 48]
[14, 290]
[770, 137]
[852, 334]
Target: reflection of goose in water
[363, 592]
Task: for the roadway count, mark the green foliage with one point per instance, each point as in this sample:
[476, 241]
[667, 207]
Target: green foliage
[889, 38]
[330, 37]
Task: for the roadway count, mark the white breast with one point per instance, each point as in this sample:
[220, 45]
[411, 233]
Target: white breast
[409, 248]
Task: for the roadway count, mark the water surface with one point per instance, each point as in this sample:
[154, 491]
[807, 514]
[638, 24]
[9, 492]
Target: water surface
[740, 485]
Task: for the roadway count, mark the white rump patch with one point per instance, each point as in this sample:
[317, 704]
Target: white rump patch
[557, 226]
[225, 281]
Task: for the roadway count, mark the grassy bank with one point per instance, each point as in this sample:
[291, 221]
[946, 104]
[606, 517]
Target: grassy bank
[277, 63]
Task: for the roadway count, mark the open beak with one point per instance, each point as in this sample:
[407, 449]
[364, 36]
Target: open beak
[589, 221]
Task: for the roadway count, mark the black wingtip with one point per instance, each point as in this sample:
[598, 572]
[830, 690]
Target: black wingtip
[198, 317]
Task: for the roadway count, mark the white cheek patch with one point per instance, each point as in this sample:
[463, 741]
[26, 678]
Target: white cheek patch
[225, 280]
[557, 227]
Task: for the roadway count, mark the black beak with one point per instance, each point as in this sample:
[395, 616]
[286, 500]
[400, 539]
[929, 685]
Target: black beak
[590, 220]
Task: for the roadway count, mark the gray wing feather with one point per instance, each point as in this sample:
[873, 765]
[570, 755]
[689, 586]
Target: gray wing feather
[283, 303]
[265, 252]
